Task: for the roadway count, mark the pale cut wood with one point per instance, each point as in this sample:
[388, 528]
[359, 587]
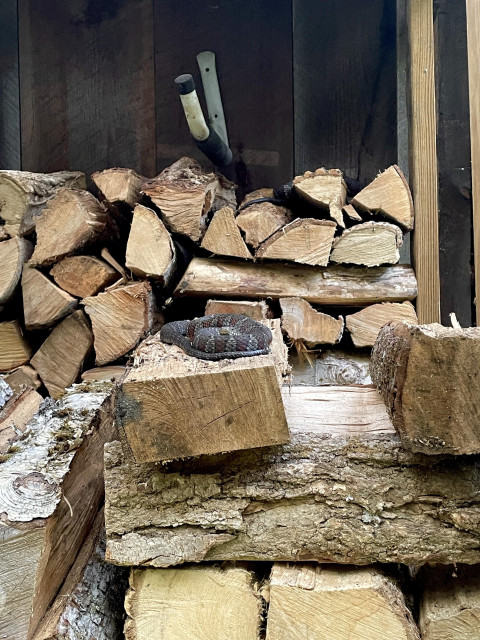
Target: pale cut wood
[112, 372]
[352, 286]
[3, 234]
[23, 196]
[120, 319]
[258, 310]
[13, 253]
[450, 602]
[318, 602]
[423, 158]
[324, 188]
[301, 322]
[199, 603]
[364, 326]
[371, 244]
[119, 185]
[22, 378]
[184, 195]
[71, 221]
[223, 236]
[172, 405]
[107, 256]
[60, 359]
[349, 211]
[305, 240]
[15, 415]
[388, 195]
[44, 303]
[427, 377]
[150, 248]
[83, 276]
[46, 510]
[14, 349]
[260, 221]
[331, 368]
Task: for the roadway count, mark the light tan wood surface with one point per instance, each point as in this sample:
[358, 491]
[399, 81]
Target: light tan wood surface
[15, 416]
[14, 349]
[301, 322]
[119, 185]
[13, 253]
[112, 372]
[324, 188]
[259, 221]
[258, 310]
[23, 378]
[83, 276]
[223, 236]
[44, 304]
[370, 244]
[365, 325]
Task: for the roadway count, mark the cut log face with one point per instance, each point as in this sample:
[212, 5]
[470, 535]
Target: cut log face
[427, 375]
[83, 276]
[13, 253]
[302, 322]
[71, 221]
[364, 326]
[23, 378]
[260, 221]
[15, 416]
[60, 359]
[185, 195]
[326, 189]
[305, 240]
[150, 249]
[119, 185]
[192, 603]
[258, 310]
[336, 602]
[371, 244]
[350, 212]
[23, 196]
[44, 304]
[352, 286]
[120, 319]
[112, 373]
[14, 349]
[223, 236]
[389, 195]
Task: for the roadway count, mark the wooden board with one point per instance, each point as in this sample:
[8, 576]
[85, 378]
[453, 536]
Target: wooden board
[10, 150]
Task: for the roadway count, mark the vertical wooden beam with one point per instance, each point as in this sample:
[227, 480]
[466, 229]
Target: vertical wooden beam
[473, 34]
[423, 158]
[10, 156]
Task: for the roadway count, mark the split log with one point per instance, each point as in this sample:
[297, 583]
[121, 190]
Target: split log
[150, 249]
[223, 236]
[184, 194]
[192, 603]
[172, 405]
[260, 221]
[50, 492]
[351, 286]
[23, 196]
[336, 602]
[119, 185]
[349, 211]
[331, 368]
[71, 221]
[13, 253]
[3, 234]
[258, 310]
[450, 603]
[24, 377]
[388, 195]
[370, 243]
[44, 303]
[301, 322]
[324, 188]
[14, 349]
[112, 373]
[364, 326]
[120, 319]
[428, 377]
[305, 240]
[15, 415]
[107, 256]
[60, 359]
[83, 276]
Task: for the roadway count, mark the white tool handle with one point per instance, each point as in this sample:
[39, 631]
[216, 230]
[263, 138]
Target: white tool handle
[208, 71]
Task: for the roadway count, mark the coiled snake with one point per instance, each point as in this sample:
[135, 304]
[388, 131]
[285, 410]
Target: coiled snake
[219, 336]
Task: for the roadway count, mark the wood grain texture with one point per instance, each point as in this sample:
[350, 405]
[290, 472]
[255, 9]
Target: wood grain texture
[10, 149]
[14, 350]
[423, 158]
[305, 240]
[365, 325]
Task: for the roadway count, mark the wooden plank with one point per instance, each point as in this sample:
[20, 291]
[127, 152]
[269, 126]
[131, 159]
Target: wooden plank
[10, 151]
[473, 34]
[87, 85]
[423, 158]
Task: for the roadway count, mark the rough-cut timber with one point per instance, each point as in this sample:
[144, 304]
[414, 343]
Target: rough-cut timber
[450, 602]
[364, 326]
[305, 240]
[429, 377]
[172, 405]
[330, 368]
[71, 221]
[318, 602]
[14, 349]
[258, 310]
[223, 236]
[60, 359]
[13, 253]
[184, 194]
[120, 319]
[351, 286]
[370, 243]
[112, 372]
[119, 185]
[259, 221]
[23, 196]
[83, 276]
[388, 195]
[301, 322]
[324, 188]
[150, 248]
[44, 304]
[51, 487]
[23, 378]
[198, 603]
[15, 415]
